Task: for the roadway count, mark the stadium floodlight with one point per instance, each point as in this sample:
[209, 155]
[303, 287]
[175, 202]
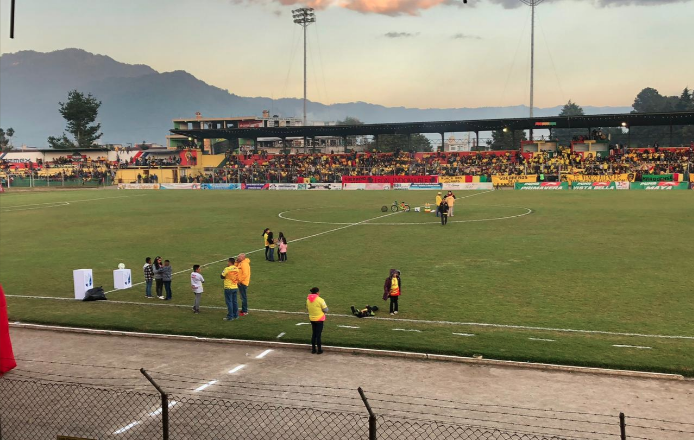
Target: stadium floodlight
[505, 129]
[532, 4]
[624, 124]
[304, 17]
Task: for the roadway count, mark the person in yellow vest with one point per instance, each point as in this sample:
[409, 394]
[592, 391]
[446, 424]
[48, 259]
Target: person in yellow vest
[230, 275]
[316, 307]
[391, 289]
[450, 199]
[438, 202]
[267, 246]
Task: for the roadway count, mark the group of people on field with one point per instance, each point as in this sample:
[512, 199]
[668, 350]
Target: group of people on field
[160, 274]
[272, 243]
[444, 206]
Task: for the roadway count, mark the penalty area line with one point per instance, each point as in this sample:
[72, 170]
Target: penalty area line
[404, 320]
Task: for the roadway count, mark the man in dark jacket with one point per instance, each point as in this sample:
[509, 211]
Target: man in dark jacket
[167, 274]
[392, 289]
[443, 210]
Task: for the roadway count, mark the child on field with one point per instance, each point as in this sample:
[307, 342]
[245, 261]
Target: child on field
[166, 275]
[363, 313]
[282, 245]
[196, 281]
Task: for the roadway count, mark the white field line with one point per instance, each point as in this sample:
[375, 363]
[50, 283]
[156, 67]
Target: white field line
[464, 334]
[64, 203]
[374, 318]
[208, 384]
[263, 354]
[347, 326]
[262, 249]
[640, 347]
[541, 339]
[280, 335]
[406, 330]
[236, 369]
[127, 427]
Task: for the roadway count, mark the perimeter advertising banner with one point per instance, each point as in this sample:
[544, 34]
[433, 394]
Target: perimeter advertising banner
[287, 186]
[138, 186]
[425, 186]
[663, 177]
[254, 186]
[221, 186]
[484, 186]
[510, 180]
[354, 186]
[596, 186]
[390, 179]
[659, 186]
[462, 179]
[179, 186]
[626, 177]
[324, 186]
[542, 186]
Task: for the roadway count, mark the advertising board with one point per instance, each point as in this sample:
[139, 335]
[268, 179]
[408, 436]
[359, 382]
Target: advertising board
[254, 186]
[425, 186]
[220, 186]
[138, 186]
[179, 186]
[542, 186]
[287, 186]
[390, 179]
[659, 186]
[324, 186]
[486, 186]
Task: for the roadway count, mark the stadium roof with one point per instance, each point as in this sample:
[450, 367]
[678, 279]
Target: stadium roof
[587, 121]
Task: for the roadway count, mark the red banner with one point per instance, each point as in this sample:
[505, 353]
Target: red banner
[390, 179]
[7, 361]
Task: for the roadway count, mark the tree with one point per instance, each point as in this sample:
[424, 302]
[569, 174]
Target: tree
[571, 109]
[503, 140]
[650, 100]
[80, 112]
[5, 139]
[388, 143]
[686, 101]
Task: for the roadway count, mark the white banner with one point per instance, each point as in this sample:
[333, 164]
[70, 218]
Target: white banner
[482, 186]
[401, 186]
[377, 186]
[179, 186]
[324, 186]
[353, 186]
[138, 186]
[287, 186]
[621, 185]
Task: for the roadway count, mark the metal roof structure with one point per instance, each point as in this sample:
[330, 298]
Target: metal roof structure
[588, 121]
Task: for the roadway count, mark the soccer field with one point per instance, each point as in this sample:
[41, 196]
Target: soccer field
[581, 278]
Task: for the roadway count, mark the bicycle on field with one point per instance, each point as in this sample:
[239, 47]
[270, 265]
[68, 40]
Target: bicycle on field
[402, 206]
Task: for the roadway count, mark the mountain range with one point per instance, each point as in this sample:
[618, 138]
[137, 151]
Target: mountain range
[138, 103]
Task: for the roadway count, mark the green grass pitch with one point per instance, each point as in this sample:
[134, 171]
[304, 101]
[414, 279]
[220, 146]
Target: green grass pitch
[605, 262]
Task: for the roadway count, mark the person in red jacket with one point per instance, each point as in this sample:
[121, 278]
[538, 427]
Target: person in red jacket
[392, 290]
[7, 361]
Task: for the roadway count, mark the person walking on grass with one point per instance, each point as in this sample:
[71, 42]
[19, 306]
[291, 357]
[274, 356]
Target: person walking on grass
[230, 275]
[317, 308]
[391, 289]
[244, 265]
[196, 281]
[149, 276]
[158, 272]
[267, 246]
[443, 210]
[271, 243]
[166, 275]
[282, 247]
[450, 199]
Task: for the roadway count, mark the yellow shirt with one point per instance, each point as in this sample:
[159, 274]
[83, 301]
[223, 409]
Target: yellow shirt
[265, 238]
[315, 309]
[394, 284]
[438, 200]
[231, 277]
[450, 200]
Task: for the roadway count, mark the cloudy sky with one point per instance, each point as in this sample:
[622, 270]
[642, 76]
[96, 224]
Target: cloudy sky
[415, 53]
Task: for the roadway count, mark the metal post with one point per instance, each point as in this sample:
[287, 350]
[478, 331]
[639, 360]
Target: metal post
[372, 416]
[11, 28]
[670, 135]
[532, 64]
[305, 76]
[443, 142]
[164, 404]
[622, 427]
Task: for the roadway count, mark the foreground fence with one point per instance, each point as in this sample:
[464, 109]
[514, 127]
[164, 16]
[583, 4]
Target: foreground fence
[48, 405]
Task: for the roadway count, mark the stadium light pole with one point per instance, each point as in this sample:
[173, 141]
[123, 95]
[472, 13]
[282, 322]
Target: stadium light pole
[304, 17]
[532, 4]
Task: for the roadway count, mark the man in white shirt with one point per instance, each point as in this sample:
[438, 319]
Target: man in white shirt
[196, 281]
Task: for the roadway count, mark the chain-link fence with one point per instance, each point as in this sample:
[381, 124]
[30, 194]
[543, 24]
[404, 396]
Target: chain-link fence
[29, 181]
[51, 405]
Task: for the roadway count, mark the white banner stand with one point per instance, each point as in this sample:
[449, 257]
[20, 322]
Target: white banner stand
[122, 279]
[83, 280]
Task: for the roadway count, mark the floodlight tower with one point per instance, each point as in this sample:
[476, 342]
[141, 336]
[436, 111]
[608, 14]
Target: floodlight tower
[304, 17]
[532, 4]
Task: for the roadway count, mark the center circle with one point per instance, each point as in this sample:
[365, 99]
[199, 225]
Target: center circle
[372, 216]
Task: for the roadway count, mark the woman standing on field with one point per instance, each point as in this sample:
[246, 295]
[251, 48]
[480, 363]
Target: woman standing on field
[267, 246]
[391, 289]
